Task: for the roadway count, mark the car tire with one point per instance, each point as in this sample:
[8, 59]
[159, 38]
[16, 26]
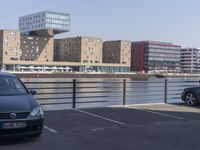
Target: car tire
[190, 99]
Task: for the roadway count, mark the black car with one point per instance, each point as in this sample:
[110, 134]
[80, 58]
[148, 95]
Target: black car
[191, 96]
[20, 114]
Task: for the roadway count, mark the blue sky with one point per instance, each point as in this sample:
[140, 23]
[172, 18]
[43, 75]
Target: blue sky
[176, 21]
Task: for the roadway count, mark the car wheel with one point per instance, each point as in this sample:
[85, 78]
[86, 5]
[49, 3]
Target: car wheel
[190, 99]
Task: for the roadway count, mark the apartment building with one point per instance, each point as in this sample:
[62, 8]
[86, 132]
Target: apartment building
[9, 46]
[36, 48]
[190, 60]
[152, 56]
[87, 50]
[117, 52]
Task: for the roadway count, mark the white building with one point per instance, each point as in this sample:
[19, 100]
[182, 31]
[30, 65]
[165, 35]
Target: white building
[45, 22]
[190, 60]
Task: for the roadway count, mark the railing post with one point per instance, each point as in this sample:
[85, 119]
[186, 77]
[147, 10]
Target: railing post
[165, 92]
[74, 94]
[124, 92]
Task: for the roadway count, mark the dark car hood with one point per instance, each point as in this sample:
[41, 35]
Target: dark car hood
[19, 103]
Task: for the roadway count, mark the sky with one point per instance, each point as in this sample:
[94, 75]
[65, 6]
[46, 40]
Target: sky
[176, 21]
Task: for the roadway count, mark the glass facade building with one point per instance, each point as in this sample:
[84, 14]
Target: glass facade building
[152, 56]
[51, 22]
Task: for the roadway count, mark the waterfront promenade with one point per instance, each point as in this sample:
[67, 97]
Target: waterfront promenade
[145, 127]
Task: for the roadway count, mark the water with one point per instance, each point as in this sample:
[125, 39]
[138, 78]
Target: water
[106, 94]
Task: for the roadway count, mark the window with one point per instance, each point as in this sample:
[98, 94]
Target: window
[11, 86]
[85, 61]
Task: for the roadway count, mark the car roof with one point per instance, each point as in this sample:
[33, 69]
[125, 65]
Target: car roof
[5, 74]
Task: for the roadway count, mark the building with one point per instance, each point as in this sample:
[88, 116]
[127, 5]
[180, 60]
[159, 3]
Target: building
[9, 46]
[87, 50]
[151, 56]
[117, 52]
[36, 48]
[45, 23]
[190, 60]
[16, 47]
[33, 47]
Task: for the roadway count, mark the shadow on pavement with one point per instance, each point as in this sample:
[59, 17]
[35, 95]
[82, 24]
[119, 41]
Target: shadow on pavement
[16, 141]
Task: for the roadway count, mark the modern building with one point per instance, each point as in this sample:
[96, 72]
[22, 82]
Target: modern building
[190, 60]
[9, 47]
[87, 50]
[117, 52]
[45, 23]
[33, 47]
[16, 47]
[151, 56]
[36, 48]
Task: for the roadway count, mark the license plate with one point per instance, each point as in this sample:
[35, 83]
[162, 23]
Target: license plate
[14, 125]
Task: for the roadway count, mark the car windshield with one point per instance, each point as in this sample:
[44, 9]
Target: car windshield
[10, 86]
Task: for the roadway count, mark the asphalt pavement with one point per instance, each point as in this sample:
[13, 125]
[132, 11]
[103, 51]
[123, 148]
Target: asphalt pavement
[139, 127]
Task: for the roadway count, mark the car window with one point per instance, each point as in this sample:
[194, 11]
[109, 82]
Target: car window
[11, 86]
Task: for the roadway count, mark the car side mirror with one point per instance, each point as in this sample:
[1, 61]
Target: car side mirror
[33, 92]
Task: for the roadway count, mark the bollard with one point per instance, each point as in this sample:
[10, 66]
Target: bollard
[74, 94]
[165, 92]
[124, 92]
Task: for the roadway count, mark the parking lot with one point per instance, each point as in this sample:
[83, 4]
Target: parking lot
[158, 126]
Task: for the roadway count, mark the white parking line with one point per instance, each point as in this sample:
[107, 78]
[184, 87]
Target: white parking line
[101, 117]
[49, 129]
[157, 113]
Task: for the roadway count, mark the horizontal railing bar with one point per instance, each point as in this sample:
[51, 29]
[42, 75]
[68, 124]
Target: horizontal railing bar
[48, 82]
[147, 91]
[143, 95]
[49, 88]
[53, 98]
[174, 94]
[175, 90]
[145, 100]
[171, 82]
[90, 82]
[55, 103]
[174, 98]
[144, 82]
[71, 97]
[99, 87]
[184, 86]
[71, 102]
[35, 88]
[134, 87]
[145, 86]
[95, 92]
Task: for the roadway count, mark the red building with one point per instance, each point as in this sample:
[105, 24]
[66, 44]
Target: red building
[150, 56]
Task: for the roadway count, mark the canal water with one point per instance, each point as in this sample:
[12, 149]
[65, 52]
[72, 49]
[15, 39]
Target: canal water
[107, 92]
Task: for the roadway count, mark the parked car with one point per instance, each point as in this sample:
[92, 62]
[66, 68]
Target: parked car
[20, 114]
[191, 96]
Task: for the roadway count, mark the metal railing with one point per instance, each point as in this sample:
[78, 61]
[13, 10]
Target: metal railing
[97, 93]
